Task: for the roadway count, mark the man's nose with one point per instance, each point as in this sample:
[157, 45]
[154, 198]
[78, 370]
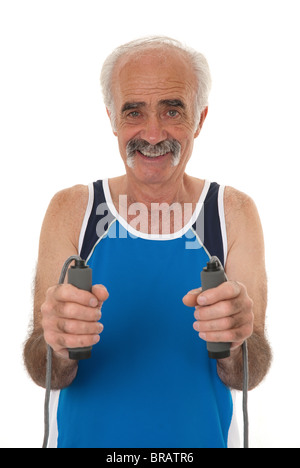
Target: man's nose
[153, 131]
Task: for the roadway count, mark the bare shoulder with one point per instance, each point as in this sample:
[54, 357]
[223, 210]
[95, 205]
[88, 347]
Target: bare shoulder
[242, 218]
[236, 201]
[75, 197]
[66, 212]
[238, 205]
[70, 202]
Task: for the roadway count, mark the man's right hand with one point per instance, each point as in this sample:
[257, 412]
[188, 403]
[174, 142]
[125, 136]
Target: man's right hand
[70, 317]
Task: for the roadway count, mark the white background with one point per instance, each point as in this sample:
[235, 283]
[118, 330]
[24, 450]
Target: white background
[55, 133]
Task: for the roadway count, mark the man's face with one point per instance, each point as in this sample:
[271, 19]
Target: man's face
[154, 96]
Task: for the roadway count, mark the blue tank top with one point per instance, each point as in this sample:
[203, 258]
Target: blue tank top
[149, 382]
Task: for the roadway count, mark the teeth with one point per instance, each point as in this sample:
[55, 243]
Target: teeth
[154, 154]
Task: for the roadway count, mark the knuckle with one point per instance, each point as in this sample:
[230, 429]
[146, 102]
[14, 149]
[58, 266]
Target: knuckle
[46, 309]
[79, 341]
[47, 336]
[69, 310]
[229, 323]
[249, 303]
[234, 336]
[79, 327]
[231, 287]
[62, 326]
[50, 291]
[251, 318]
[249, 330]
[226, 308]
[85, 341]
[236, 288]
[44, 323]
[63, 292]
[240, 334]
[50, 338]
[61, 341]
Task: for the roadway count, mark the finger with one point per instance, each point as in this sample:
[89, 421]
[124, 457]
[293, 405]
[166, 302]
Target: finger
[190, 299]
[218, 310]
[69, 293]
[76, 341]
[234, 335]
[79, 327]
[61, 341]
[226, 291]
[70, 310]
[226, 323]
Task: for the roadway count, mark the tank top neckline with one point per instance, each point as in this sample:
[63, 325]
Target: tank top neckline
[134, 232]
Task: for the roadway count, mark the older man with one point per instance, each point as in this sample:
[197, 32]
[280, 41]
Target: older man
[147, 235]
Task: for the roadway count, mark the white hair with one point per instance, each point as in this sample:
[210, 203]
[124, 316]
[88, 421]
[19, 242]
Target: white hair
[198, 62]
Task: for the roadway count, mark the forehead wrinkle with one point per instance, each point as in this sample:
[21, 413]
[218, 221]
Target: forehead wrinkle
[145, 83]
[169, 93]
[163, 86]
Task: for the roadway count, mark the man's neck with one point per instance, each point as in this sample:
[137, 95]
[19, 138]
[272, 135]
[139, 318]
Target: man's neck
[156, 208]
[184, 190]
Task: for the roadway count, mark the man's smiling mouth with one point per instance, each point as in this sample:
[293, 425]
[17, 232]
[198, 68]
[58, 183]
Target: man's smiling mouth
[155, 154]
[164, 148]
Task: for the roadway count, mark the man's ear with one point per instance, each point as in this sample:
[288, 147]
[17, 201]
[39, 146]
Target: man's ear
[109, 115]
[202, 119]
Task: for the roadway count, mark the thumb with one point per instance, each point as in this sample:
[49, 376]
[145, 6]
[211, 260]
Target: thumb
[100, 292]
[190, 299]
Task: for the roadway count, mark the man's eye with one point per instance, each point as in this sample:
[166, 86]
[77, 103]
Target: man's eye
[134, 114]
[172, 113]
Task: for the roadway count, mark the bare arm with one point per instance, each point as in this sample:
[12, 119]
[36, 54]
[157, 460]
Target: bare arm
[63, 316]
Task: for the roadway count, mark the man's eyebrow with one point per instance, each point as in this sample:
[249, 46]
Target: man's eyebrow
[132, 105]
[173, 103]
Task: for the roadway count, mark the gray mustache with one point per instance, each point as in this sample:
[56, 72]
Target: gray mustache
[163, 147]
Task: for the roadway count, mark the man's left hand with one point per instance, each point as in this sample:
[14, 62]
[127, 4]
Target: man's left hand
[223, 314]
